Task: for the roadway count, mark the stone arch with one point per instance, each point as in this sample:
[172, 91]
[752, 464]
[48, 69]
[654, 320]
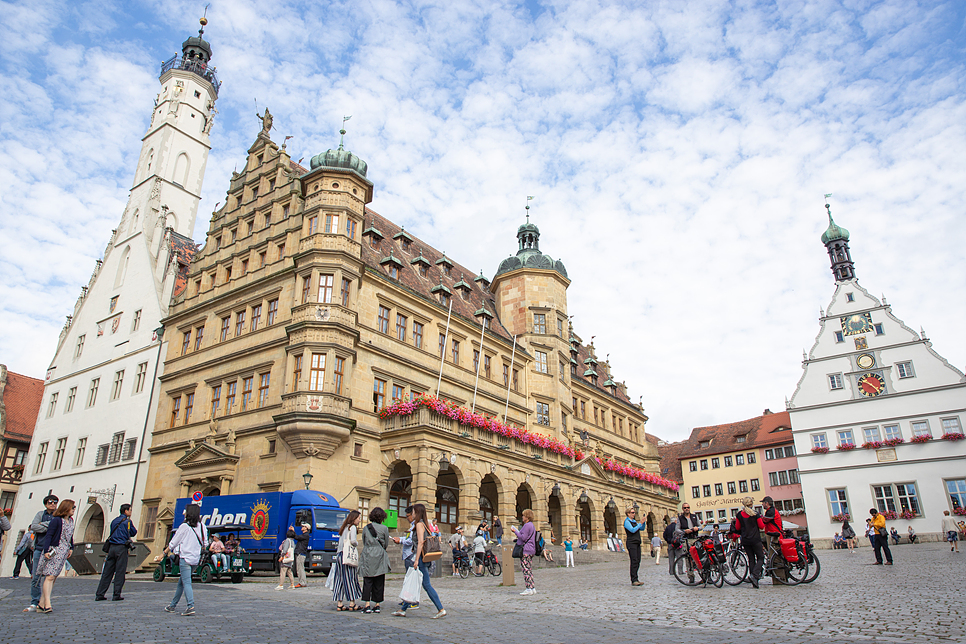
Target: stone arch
[93, 524]
[555, 507]
[491, 495]
[400, 490]
[212, 490]
[182, 166]
[526, 498]
[450, 480]
[650, 524]
[122, 267]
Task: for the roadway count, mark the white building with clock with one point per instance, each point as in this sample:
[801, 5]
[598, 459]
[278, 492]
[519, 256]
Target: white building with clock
[100, 393]
[870, 413]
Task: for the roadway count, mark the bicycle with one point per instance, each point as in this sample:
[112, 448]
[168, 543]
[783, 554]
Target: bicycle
[776, 562]
[735, 567]
[463, 564]
[491, 564]
[806, 548]
[690, 572]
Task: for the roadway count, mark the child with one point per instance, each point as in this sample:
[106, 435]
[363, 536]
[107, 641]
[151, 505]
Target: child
[569, 549]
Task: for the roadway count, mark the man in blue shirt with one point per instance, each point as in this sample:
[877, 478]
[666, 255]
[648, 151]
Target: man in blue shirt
[633, 543]
[122, 531]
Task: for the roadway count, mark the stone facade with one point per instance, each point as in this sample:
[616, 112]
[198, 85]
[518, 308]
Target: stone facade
[306, 313]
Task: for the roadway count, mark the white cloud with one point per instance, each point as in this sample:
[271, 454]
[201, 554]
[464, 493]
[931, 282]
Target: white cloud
[679, 153]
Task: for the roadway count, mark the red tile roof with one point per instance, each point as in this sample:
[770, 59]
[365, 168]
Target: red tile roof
[22, 396]
[671, 460]
[758, 432]
[183, 250]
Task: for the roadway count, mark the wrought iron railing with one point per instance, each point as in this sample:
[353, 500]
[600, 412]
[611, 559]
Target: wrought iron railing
[201, 69]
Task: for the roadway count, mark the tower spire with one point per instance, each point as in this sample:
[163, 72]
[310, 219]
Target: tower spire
[836, 240]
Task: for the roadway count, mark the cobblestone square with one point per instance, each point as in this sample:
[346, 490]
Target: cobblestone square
[920, 599]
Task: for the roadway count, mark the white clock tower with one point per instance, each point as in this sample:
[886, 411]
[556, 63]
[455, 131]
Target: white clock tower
[99, 394]
[877, 416]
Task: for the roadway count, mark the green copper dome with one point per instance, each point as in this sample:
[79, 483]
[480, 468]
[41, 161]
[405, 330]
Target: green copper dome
[834, 232]
[340, 158]
[529, 255]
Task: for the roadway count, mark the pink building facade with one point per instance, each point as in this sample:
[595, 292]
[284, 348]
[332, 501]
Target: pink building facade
[779, 464]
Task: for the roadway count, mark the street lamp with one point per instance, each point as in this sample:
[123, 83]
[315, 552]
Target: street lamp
[307, 479]
[583, 498]
[611, 506]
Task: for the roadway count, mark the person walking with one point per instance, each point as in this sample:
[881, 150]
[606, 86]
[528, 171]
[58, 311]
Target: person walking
[374, 561]
[656, 549]
[188, 543]
[25, 554]
[880, 538]
[497, 530]
[750, 525]
[849, 535]
[951, 531]
[527, 535]
[115, 565]
[569, 550]
[423, 530]
[56, 549]
[301, 552]
[38, 527]
[345, 583]
[286, 560]
[632, 541]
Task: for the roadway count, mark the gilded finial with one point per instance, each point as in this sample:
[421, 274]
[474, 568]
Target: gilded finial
[203, 21]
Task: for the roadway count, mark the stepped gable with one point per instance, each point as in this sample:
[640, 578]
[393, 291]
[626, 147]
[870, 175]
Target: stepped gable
[183, 250]
[20, 397]
[463, 306]
[671, 454]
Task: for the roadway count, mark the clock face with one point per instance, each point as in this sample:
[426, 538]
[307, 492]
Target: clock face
[856, 324]
[871, 385]
[865, 361]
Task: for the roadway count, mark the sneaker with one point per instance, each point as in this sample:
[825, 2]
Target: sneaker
[188, 611]
[300, 585]
[30, 609]
[376, 610]
[528, 591]
[279, 587]
[16, 577]
[441, 613]
[414, 607]
[170, 609]
[367, 611]
[399, 613]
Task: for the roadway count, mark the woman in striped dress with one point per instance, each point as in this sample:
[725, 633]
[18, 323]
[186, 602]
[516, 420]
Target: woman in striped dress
[345, 578]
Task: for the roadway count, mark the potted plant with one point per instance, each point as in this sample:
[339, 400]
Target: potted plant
[892, 442]
[820, 450]
[953, 437]
[844, 516]
[872, 445]
[908, 515]
[925, 438]
[846, 447]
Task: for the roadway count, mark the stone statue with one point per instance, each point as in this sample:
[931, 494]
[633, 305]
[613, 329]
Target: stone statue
[266, 121]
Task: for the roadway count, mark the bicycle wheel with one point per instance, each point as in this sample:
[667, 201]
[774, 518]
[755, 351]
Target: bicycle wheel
[794, 572]
[463, 569]
[715, 575]
[735, 568]
[814, 567]
[685, 572]
[496, 568]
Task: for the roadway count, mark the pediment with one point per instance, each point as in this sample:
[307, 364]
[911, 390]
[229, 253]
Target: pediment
[590, 467]
[205, 454]
[166, 514]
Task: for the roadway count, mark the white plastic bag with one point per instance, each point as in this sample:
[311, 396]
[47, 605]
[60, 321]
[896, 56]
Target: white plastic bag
[330, 578]
[411, 585]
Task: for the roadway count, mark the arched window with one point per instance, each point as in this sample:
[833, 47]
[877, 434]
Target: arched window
[135, 220]
[122, 267]
[399, 495]
[486, 509]
[181, 168]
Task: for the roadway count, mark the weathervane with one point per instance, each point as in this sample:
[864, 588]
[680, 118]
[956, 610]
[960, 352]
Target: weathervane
[529, 198]
[342, 131]
[827, 206]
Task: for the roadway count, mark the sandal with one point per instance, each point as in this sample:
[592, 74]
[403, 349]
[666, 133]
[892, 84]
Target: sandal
[342, 608]
[355, 607]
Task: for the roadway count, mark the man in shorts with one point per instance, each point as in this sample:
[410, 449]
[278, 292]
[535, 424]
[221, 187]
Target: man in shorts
[951, 530]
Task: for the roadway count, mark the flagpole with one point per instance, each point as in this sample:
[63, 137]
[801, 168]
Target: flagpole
[442, 353]
[479, 362]
[509, 378]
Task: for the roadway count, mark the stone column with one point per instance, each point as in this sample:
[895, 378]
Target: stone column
[424, 480]
[469, 514]
[225, 485]
[185, 489]
[568, 511]
[597, 519]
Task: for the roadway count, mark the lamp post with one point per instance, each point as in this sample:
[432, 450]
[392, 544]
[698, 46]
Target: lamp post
[307, 479]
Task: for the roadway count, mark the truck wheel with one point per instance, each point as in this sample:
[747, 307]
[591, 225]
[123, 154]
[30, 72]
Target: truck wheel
[158, 574]
[237, 577]
[205, 575]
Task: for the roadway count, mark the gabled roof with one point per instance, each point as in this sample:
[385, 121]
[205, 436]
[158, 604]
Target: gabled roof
[671, 460]
[476, 295]
[722, 439]
[22, 396]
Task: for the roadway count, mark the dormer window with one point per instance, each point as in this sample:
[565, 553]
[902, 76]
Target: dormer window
[482, 281]
[405, 239]
[741, 439]
[704, 444]
[444, 265]
[422, 264]
[392, 265]
[442, 293]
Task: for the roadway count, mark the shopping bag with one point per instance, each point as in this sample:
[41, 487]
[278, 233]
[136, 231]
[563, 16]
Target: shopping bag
[411, 585]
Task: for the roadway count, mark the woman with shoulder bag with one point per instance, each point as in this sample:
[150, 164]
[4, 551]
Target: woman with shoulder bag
[57, 547]
[345, 586]
[849, 535]
[286, 560]
[187, 544]
[422, 556]
[374, 561]
[526, 547]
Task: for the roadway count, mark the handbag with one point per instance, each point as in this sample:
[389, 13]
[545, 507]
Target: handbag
[432, 548]
[350, 554]
[518, 548]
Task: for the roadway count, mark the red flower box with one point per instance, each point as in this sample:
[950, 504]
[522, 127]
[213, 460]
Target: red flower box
[953, 437]
[846, 447]
[819, 450]
[892, 442]
[925, 438]
[872, 445]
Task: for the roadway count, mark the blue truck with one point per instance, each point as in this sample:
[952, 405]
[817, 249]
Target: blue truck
[265, 519]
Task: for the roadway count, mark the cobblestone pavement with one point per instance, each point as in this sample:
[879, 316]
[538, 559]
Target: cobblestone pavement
[920, 599]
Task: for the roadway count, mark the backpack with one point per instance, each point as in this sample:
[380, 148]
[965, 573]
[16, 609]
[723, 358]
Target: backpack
[539, 545]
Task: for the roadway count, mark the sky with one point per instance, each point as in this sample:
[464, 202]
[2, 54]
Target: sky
[678, 154]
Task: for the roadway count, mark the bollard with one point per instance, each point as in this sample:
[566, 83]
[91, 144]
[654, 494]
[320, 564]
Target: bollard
[507, 561]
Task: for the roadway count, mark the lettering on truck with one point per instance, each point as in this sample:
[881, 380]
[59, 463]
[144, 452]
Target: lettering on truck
[215, 519]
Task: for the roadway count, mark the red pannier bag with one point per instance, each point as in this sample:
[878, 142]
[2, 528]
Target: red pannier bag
[789, 549]
[696, 555]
